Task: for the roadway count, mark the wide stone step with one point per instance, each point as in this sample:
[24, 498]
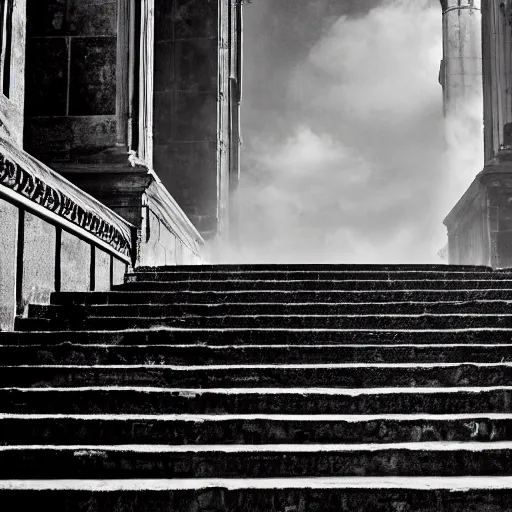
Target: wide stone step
[319, 267]
[316, 275]
[93, 354]
[338, 494]
[316, 285]
[250, 429]
[276, 296]
[171, 400]
[243, 336]
[351, 376]
[273, 309]
[256, 461]
[350, 322]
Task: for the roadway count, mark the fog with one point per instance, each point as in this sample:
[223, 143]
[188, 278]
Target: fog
[344, 155]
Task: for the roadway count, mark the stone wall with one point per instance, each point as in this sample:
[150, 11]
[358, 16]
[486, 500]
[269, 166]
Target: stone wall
[185, 106]
[70, 78]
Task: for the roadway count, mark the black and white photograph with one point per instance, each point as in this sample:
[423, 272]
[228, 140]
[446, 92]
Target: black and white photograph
[256, 255]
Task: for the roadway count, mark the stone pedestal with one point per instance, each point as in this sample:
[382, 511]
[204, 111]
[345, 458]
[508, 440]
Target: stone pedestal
[480, 225]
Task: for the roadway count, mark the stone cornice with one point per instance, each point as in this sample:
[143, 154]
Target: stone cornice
[23, 176]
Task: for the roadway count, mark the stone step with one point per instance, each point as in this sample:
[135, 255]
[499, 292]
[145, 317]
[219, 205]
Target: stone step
[256, 461]
[91, 429]
[282, 297]
[315, 275]
[338, 494]
[242, 336]
[316, 285]
[285, 267]
[349, 376]
[348, 322]
[293, 267]
[171, 400]
[275, 309]
[113, 353]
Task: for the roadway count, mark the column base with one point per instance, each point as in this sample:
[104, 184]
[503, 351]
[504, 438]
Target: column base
[480, 224]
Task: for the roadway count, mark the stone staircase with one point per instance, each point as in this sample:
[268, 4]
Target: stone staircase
[263, 388]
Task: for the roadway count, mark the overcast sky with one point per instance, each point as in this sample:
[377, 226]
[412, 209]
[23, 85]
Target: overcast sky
[343, 156]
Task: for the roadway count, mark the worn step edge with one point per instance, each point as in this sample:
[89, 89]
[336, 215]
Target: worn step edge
[207, 354]
[453, 484]
[146, 296]
[295, 366]
[241, 347]
[248, 330]
[428, 446]
[219, 418]
[191, 392]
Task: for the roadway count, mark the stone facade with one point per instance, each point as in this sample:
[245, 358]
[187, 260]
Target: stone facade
[119, 139]
[479, 226]
[96, 69]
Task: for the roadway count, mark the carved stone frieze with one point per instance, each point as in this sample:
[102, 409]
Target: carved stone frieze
[14, 177]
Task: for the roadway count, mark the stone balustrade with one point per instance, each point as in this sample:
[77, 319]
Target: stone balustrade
[54, 236]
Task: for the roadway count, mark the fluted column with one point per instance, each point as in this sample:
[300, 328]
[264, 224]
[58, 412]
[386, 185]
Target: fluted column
[461, 68]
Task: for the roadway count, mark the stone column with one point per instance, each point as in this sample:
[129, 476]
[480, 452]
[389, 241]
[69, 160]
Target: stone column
[480, 225]
[461, 67]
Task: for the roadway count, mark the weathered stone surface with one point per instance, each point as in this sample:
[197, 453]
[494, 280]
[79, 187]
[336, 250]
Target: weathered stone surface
[75, 267]
[195, 18]
[42, 187]
[182, 166]
[274, 372]
[185, 116]
[101, 271]
[164, 20]
[8, 252]
[62, 139]
[275, 500]
[118, 272]
[116, 401]
[196, 65]
[46, 18]
[71, 463]
[47, 77]
[414, 376]
[205, 431]
[38, 262]
[164, 101]
[278, 310]
[194, 118]
[92, 17]
[92, 89]
[186, 107]
[71, 17]
[204, 355]
[160, 243]
[164, 79]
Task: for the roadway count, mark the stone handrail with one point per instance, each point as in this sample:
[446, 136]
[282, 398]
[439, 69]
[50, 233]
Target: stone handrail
[28, 182]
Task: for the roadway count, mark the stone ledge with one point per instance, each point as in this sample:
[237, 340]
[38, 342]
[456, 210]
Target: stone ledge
[172, 216]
